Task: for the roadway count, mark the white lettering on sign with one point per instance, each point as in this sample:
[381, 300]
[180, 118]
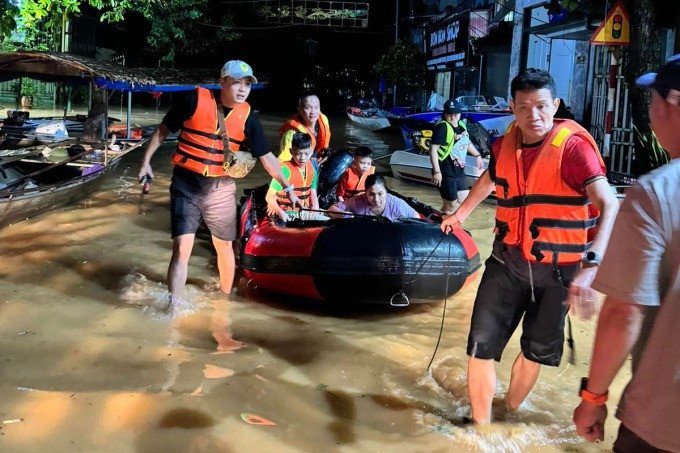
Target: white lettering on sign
[445, 35]
[457, 57]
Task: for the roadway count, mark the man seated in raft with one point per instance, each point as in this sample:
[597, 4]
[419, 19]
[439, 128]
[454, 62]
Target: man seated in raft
[302, 175]
[375, 201]
[353, 182]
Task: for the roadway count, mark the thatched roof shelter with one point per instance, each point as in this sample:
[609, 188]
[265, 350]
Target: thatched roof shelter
[78, 70]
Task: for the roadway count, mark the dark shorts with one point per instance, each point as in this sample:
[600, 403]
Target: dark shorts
[212, 201]
[453, 180]
[629, 442]
[502, 300]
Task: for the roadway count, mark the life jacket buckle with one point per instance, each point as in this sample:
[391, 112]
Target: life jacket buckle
[537, 253]
[228, 160]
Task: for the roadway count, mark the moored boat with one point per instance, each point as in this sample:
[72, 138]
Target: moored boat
[32, 183]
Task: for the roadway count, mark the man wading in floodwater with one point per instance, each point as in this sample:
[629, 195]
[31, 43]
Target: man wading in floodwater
[202, 179]
[550, 185]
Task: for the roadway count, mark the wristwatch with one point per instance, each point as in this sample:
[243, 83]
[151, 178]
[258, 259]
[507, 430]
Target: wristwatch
[591, 258]
[593, 398]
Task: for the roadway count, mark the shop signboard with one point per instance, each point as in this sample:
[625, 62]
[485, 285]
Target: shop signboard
[447, 43]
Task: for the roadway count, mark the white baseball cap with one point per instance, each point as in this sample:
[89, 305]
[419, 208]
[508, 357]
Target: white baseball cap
[237, 69]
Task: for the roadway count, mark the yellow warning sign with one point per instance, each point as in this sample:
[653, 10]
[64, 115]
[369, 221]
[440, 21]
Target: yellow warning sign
[615, 30]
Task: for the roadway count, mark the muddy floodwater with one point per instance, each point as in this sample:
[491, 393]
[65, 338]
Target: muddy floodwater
[90, 361]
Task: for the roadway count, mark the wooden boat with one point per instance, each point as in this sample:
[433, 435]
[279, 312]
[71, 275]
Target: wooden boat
[32, 183]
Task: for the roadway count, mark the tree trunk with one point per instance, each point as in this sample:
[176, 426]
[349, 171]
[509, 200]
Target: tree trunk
[641, 56]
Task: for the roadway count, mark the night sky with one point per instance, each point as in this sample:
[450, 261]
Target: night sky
[277, 53]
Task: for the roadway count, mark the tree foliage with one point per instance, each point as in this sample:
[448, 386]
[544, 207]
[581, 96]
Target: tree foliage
[7, 22]
[186, 26]
[404, 65]
[177, 26]
[53, 12]
[641, 56]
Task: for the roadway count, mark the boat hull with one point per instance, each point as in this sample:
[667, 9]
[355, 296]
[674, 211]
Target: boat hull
[373, 123]
[411, 166]
[54, 184]
[361, 260]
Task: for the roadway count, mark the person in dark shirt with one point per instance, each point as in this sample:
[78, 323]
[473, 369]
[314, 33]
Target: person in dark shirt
[201, 187]
[448, 149]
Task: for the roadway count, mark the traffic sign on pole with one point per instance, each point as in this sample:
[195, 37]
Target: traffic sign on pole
[615, 30]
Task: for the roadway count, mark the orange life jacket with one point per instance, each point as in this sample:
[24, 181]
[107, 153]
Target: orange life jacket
[539, 212]
[302, 184]
[319, 141]
[354, 184]
[200, 148]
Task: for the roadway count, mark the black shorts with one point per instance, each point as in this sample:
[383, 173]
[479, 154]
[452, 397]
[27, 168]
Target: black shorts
[213, 201]
[502, 300]
[453, 180]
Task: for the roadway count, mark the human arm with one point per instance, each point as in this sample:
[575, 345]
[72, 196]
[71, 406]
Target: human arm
[337, 211]
[581, 296]
[481, 189]
[285, 144]
[439, 136]
[618, 330]
[152, 146]
[434, 160]
[471, 150]
[273, 167]
[273, 207]
[314, 199]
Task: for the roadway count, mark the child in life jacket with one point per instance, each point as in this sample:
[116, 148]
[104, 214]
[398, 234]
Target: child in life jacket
[299, 170]
[354, 180]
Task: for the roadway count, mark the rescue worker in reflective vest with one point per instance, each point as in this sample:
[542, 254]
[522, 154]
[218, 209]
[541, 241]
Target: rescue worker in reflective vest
[310, 120]
[553, 220]
[448, 160]
[200, 187]
[303, 177]
[353, 181]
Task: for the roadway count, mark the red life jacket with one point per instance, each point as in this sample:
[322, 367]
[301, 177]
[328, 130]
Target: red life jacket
[319, 141]
[354, 185]
[302, 184]
[539, 212]
[200, 148]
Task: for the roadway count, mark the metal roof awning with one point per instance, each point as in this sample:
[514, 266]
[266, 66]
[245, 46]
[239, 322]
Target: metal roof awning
[578, 30]
[506, 7]
[78, 70]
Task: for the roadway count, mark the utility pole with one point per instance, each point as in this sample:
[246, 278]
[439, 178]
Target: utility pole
[396, 41]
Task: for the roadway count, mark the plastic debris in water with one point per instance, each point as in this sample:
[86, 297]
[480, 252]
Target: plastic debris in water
[256, 420]
[13, 420]
[216, 372]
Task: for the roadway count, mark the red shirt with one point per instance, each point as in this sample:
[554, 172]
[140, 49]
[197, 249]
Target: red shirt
[579, 161]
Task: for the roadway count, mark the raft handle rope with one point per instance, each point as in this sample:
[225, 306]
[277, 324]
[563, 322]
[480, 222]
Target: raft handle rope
[441, 326]
[326, 211]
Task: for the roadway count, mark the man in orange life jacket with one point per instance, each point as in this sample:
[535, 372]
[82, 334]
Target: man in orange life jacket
[550, 184]
[353, 181]
[309, 120]
[200, 187]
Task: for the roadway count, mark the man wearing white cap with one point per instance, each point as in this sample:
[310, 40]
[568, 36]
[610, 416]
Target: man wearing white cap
[215, 129]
